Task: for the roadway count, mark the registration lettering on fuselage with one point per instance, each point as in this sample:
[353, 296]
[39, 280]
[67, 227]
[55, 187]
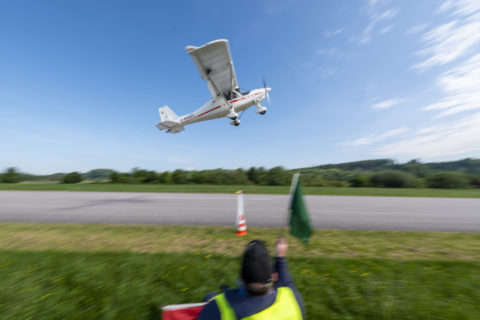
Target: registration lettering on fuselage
[188, 117]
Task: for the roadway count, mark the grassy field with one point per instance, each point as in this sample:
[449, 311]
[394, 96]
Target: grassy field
[55, 271]
[418, 192]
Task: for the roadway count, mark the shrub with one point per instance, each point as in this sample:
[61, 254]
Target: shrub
[337, 183]
[313, 180]
[360, 182]
[179, 177]
[278, 176]
[474, 181]
[164, 177]
[448, 180]
[72, 177]
[392, 179]
[11, 176]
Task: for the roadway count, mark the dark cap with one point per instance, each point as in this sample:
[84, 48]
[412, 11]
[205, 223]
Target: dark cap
[256, 264]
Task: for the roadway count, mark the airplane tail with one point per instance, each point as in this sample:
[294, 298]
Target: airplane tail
[169, 120]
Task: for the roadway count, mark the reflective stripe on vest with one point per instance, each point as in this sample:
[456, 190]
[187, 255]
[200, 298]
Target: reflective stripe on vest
[285, 307]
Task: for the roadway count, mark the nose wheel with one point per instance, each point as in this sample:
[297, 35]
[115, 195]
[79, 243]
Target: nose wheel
[235, 123]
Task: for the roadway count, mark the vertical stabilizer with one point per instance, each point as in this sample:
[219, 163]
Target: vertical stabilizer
[167, 114]
[169, 120]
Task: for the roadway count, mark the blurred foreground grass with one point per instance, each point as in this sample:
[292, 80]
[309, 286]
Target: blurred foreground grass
[55, 271]
[193, 188]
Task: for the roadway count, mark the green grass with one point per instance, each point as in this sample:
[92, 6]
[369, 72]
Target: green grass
[418, 192]
[56, 271]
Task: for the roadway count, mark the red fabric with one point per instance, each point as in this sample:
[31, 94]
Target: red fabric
[182, 314]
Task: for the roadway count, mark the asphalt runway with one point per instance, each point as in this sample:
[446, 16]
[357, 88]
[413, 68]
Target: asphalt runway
[326, 212]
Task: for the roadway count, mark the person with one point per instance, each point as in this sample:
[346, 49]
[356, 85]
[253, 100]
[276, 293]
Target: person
[262, 294]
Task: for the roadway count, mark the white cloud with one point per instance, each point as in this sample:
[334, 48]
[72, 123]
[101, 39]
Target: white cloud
[374, 138]
[461, 86]
[385, 104]
[461, 7]
[458, 138]
[450, 41]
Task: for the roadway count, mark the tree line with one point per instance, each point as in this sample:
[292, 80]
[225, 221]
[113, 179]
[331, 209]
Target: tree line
[369, 173]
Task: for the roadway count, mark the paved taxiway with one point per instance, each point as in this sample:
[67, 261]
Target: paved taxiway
[328, 212]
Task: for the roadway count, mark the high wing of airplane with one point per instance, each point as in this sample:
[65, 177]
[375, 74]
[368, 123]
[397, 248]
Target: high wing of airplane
[214, 62]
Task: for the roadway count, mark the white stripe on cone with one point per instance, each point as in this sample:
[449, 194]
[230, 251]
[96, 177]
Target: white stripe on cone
[241, 222]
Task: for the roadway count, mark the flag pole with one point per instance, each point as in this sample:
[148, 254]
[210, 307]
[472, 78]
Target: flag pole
[292, 189]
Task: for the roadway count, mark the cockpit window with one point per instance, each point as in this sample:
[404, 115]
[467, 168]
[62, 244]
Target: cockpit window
[235, 93]
[231, 95]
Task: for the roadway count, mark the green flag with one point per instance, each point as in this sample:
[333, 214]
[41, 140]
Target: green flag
[299, 220]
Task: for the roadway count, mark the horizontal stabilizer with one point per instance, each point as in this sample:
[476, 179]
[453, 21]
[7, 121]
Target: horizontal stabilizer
[175, 130]
[166, 125]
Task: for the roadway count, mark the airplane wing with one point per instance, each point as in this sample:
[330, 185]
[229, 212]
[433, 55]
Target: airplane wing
[215, 64]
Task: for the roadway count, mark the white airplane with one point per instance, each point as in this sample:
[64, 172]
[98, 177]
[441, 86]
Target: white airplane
[215, 64]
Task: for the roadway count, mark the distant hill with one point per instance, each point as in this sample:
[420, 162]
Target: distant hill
[96, 174]
[466, 166]
[471, 166]
[365, 165]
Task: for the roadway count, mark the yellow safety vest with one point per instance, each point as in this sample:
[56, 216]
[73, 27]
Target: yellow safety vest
[285, 307]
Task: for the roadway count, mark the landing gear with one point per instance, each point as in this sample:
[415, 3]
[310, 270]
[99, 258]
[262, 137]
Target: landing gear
[235, 123]
[233, 115]
[261, 109]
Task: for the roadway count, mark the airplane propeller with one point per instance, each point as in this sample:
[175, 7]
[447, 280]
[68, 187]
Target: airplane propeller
[266, 92]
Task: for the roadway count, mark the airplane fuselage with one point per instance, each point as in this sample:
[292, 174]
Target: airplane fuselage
[218, 107]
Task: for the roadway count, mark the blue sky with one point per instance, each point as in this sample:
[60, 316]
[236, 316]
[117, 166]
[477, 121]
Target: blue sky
[81, 83]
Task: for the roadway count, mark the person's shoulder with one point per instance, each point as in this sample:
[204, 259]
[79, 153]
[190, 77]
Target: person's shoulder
[210, 311]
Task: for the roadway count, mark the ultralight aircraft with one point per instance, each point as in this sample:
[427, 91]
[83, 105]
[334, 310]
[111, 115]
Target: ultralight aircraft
[215, 64]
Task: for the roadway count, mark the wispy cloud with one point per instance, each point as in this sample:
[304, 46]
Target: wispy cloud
[366, 36]
[331, 53]
[385, 104]
[333, 33]
[417, 28]
[453, 44]
[374, 138]
[458, 138]
[326, 72]
[461, 86]
[377, 13]
[450, 41]
[386, 29]
[460, 7]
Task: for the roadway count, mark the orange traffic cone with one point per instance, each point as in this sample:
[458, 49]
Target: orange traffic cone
[241, 222]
